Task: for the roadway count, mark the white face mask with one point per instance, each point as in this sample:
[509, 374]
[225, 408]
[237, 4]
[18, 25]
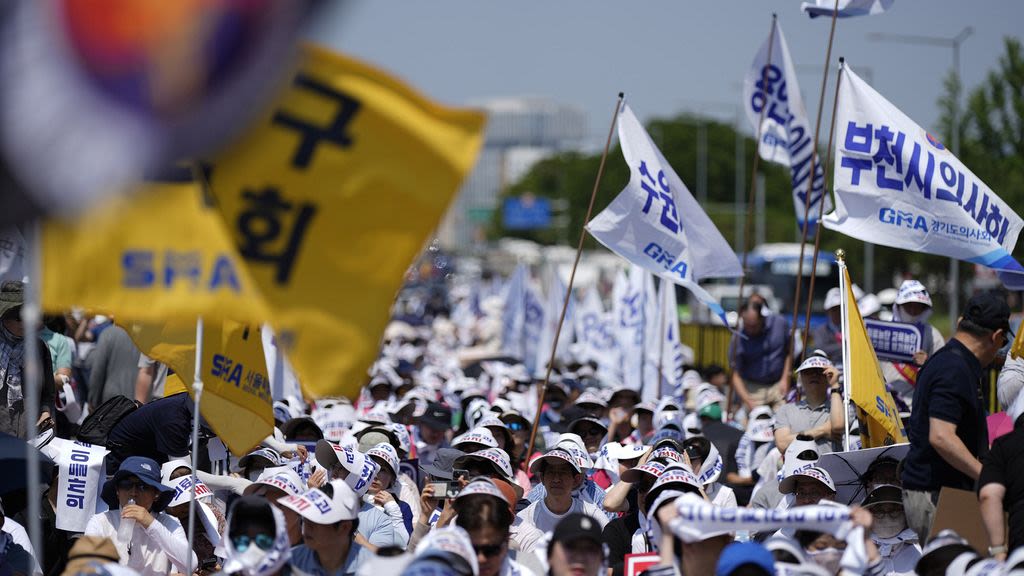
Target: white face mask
[828, 559]
[251, 559]
[889, 527]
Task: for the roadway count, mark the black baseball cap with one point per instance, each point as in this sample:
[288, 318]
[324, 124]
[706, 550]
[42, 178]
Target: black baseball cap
[577, 527]
[436, 416]
[989, 310]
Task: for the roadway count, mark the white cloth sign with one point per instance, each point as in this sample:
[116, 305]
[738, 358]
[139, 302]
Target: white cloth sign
[897, 185]
[552, 314]
[656, 223]
[699, 520]
[183, 490]
[772, 98]
[847, 8]
[80, 478]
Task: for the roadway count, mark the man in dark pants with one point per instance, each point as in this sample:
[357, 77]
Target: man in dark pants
[948, 432]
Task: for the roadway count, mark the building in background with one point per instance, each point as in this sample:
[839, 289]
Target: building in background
[520, 133]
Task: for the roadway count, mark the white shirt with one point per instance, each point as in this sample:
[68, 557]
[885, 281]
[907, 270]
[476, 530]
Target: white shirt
[153, 550]
[545, 520]
[20, 537]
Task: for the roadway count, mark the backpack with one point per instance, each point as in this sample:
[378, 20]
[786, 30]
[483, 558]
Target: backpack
[99, 423]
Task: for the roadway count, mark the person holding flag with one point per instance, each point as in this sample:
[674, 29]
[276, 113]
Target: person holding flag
[948, 429]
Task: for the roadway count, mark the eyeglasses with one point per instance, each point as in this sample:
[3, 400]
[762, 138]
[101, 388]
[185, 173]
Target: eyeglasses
[489, 550]
[127, 484]
[516, 426]
[262, 541]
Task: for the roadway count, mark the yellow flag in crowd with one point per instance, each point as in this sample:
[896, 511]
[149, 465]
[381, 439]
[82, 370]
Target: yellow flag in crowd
[236, 398]
[1017, 350]
[330, 197]
[160, 253]
[880, 419]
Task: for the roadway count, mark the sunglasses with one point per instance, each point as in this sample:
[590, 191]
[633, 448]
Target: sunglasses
[516, 426]
[262, 541]
[489, 550]
[127, 484]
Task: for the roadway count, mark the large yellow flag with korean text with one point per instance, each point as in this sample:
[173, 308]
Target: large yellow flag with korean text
[330, 197]
[236, 400]
[879, 417]
[157, 254]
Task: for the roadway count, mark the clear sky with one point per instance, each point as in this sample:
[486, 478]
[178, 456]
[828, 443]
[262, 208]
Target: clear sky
[667, 55]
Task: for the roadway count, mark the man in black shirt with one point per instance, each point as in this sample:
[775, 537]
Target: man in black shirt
[948, 431]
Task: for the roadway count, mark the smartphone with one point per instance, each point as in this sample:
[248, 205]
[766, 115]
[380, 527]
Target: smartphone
[446, 490]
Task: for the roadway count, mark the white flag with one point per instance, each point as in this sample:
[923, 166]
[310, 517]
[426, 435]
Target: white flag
[655, 222]
[897, 185]
[552, 312]
[628, 307]
[847, 8]
[533, 325]
[588, 328]
[513, 315]
[771, 97]
[672, 351]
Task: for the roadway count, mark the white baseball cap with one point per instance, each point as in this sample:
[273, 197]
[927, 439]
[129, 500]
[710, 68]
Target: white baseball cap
[788, 484]
[913, 291]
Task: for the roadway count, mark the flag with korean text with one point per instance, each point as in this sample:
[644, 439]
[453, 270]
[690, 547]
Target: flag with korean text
[628, 310]
[772, 99]
[862, 376]
[670, 348]
[897, 185]
[656, 223]
[846, 8]
[329, 199]
[652, 333]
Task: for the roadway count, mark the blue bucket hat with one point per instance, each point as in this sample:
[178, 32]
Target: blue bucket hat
[148, 471]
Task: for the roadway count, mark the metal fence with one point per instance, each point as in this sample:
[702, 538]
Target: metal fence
[710, 344]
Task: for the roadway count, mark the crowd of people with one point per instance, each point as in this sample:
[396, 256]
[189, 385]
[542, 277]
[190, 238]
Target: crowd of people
[437, 467]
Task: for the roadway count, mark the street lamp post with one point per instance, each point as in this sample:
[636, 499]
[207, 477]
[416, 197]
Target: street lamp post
[954, 43]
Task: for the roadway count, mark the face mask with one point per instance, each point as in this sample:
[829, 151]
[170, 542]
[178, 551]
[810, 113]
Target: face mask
[250, 559]
[889, 527]
[828, 559]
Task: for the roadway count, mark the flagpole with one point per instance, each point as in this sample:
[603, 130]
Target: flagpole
[30, 320]
[810, 179]
[821, 205]
[197, 392]
[661, 335]
[845, 315]
[753, 192]
[572, 275]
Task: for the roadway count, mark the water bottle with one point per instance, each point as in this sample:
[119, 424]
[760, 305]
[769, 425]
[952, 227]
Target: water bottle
[125, 529]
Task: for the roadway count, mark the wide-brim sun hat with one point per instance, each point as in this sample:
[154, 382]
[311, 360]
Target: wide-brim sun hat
[148, 472]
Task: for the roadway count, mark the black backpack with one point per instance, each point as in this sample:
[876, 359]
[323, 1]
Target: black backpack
[99, 423]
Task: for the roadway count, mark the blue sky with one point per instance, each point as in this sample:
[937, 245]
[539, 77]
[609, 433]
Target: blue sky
[667, 55]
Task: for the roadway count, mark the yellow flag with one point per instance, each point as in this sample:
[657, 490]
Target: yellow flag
[1017, 350]
[236, 398]
[880, 419]
[330, 197]
[157, 254]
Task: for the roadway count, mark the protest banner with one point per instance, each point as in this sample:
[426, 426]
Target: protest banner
[656, 223]
[160, 253]
[80, 478]
[897, 185]
[236, 388]
[895, 341]
[330, 197]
